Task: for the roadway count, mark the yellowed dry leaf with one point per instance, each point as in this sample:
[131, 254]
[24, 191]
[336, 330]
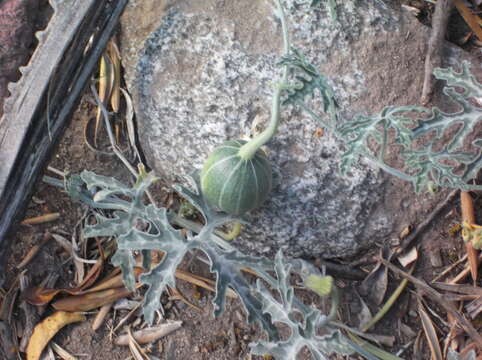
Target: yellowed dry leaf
[114, 55]
[47, 329]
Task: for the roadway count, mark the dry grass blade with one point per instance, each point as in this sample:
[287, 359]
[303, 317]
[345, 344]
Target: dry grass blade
[101, 315]
[114, 55]
[151, 334]
[48, 354]
[202, 282]
[61, 352]
[450, 268]
[31, 315]
[388, 304]
[474, 308]
[106, 83]
[464, 273]
[468, 216]
[417, 347]
[471, 19]
[430, 333]
[177, 295]
[461, 289]
[131, 130]
[372, 349]
[125, 318]
[438, 298]
[452, 338]
[42, 219]
[136, 350]
[34, 250]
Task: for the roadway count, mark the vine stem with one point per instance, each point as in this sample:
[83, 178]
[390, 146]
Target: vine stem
[248, 150]
[370, 158]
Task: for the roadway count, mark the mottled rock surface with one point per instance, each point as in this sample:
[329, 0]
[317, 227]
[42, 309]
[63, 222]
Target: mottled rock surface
[202, 72]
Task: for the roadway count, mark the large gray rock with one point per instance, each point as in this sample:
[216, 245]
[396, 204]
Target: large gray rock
[202, 72]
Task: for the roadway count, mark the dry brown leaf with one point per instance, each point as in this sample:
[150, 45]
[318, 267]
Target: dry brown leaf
[365, 315]
[430, 333]
[470, 18]
[112, 282]
[41, 296]
[151, 334]
[375, 284]
[47, 329]
[91, 301]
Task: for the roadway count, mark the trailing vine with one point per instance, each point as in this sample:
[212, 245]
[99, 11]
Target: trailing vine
[420, 132]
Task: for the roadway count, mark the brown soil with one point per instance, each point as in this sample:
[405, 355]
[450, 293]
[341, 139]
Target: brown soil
[201, 336]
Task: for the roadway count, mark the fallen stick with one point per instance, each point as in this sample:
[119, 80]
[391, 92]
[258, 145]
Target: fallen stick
[463, 274]
[101, 315]
[468, 215]
[439, 299]
[437, 36]
[42, 219]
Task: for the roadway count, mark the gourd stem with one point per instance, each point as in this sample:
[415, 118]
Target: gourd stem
[235, 231]
[248, 150]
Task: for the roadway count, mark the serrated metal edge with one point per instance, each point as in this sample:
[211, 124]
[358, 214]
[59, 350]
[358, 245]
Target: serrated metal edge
[41, 36]
[21, 90]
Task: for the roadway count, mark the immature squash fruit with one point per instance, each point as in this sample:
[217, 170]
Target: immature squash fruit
[237, 176]
[233, 183]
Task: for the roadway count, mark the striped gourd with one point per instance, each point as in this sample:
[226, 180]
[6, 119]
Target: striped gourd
[235, 184]
[237, 176]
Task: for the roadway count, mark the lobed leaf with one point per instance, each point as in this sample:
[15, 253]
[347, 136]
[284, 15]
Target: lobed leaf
[303, 333]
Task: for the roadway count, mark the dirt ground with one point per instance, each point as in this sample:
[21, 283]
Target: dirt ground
[201, 336]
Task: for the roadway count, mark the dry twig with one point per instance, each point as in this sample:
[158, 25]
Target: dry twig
[438, 298]
[407, 242]
[434, 57]
[468, 215]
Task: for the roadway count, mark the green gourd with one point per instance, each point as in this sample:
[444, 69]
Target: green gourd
[237, 175]
[233, 184]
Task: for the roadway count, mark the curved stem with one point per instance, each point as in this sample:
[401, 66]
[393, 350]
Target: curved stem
[248, 150]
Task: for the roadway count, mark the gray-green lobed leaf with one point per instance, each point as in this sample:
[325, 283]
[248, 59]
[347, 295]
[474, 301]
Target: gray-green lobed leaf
[142, 227]
[420, 133]
[302, 333]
